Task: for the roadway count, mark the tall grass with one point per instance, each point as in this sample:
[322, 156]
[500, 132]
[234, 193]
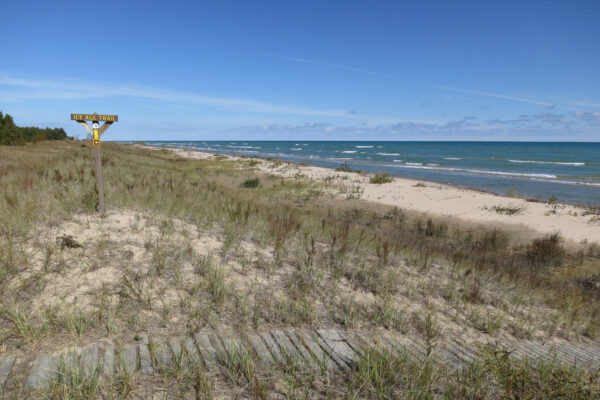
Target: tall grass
[321, 248]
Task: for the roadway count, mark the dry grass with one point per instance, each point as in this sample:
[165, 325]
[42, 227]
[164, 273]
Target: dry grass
[187, 245]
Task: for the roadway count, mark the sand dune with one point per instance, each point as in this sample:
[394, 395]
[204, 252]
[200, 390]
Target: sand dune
[448, 201]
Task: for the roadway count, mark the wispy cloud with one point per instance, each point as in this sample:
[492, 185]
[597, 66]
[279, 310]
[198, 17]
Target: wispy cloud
[45, 89]
[586, 104]
[499, 96]
[329, 65]
[18, 89]
[27, 89]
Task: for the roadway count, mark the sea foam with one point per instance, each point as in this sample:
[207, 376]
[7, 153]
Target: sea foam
[576, 164]
[474, 171]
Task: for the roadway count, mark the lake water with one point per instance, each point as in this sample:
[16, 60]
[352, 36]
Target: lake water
[569, 171]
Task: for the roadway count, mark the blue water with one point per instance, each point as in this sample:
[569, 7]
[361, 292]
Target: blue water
[569, 171]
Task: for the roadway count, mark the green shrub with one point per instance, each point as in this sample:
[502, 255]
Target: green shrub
[508, 210]
[546, 251]
[250, 183]
[381, 178]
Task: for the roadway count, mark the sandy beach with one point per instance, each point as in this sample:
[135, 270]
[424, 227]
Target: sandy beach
[450, 202]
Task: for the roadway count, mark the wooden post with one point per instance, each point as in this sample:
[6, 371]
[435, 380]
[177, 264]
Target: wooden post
[95, 132]
[99, 182]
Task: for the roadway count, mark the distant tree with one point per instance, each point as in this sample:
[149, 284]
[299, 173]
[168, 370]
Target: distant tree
[11, 134]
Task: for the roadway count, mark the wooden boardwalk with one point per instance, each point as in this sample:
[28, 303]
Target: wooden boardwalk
[321, 348]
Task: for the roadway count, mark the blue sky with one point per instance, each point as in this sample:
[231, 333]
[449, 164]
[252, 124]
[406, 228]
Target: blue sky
[312, 70]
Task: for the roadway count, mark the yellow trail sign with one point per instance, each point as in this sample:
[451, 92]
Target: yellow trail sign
[96, 131]
[94, 117]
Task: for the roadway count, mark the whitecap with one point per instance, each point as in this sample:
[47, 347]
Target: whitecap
[474, 171]
[576, 164]
[364, 147]
[349, 151]
[388, 154]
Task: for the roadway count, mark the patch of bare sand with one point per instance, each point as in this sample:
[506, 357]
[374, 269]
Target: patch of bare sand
[112, 248]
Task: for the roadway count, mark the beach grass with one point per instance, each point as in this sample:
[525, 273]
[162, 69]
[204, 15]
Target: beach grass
[190, 244]
[381, 178]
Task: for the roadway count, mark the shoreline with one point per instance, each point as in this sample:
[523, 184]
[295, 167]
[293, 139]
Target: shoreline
[569, 174]
[445, 201]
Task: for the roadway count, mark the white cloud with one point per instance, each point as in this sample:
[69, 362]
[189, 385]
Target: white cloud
[72, 90]
[588, 116]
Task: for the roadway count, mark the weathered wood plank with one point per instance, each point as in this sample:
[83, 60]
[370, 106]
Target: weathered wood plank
[342, 349]
[329, 347]
[44, 369]
[128, 358]
[273, 348]
[299, 346]
[177, 349]
[354, 344]
[108, 360]
[90, 360]
[317, 351]
[145, 359]
[286, 346]
[206, 350]
[6, 366]
[221, 355]
[191, 351]
[261, 350]
[162, 356]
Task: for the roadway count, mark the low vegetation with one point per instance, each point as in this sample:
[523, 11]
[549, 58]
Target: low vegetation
[380, 373]
[345, 167]
[387, 374]
[381, 178]
[186, 247]
[251, 183]
[11, 134]
[506, 209]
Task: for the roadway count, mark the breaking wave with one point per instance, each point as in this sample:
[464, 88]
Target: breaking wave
[473, 171]
[576, 164]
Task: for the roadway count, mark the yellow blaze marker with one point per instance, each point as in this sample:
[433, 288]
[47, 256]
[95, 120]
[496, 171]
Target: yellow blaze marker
[96, 138]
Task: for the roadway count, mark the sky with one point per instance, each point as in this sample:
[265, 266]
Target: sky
[311, 70]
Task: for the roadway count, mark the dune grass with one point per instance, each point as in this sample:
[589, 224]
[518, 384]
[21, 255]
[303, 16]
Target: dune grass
[190, 246]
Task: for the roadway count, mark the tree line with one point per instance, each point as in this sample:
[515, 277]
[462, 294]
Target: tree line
[11, 134]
